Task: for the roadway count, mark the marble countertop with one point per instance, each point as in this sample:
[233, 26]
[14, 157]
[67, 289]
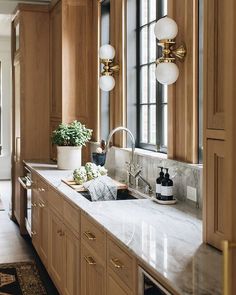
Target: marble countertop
[168, 239]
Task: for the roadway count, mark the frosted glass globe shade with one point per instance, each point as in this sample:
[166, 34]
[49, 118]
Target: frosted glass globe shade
[107, 83]
[107, 52]
[167, 73]
[165, 28]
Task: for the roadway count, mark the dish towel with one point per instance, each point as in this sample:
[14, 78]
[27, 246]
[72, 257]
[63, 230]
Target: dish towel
[102, 188]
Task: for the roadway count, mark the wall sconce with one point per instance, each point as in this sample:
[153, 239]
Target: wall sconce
[165, 31]
[107, 54]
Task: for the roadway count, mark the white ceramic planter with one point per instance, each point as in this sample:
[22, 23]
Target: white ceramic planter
[68, 157]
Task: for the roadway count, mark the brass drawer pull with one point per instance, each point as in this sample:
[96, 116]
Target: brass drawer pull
[33, 205]
[90, 260]
[226, 246]
[116, 263]
[41, 205]
[90, 236]
[41, 190]
[33, 233]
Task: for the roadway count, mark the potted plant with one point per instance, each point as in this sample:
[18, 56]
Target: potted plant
[69, 139]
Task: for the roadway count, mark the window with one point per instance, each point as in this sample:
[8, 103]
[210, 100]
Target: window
[152, 96]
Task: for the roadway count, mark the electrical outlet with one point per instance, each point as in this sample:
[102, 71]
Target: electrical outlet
[192, 193]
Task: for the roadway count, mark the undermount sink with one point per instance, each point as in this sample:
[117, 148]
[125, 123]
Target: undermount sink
[122, 195]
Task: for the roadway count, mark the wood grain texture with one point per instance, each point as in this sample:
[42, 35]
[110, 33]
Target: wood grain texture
[118, 94]
[30, 120]
[183, 96]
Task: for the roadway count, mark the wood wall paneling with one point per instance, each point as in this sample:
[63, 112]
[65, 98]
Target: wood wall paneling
[183, 96]
[118, 94]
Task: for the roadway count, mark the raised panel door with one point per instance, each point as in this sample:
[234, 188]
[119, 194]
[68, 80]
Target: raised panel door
[71, 263]
[115, 286]
[56, 62]
[55, 261]
[93, 273]
[217, 222]
[43, 231]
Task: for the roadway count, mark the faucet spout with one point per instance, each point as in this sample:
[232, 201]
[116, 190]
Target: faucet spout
[121, 128]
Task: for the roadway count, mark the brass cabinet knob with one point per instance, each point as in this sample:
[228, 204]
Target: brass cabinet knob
[41, 205]
[41, 189]
[116, 263]
[33, 205]
[90, 236]
[33, 233]
[90, 260]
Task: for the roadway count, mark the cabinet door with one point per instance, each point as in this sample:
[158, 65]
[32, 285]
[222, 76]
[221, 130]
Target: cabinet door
[55, 265]
[43, 231]
[115, 286]
[35, 215]
[216, 199]
[56, 62]
[71, 263]
[92, 274]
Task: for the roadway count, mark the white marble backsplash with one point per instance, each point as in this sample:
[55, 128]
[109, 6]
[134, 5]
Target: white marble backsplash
[182, 174]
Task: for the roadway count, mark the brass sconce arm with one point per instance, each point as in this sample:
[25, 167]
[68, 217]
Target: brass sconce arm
[170, 53]
[109, 69]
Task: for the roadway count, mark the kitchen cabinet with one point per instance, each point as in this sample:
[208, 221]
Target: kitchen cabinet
[71, 263]
[30, 89]
[55, 266]
[93, 257]
[115, 286]
[71, 50]
[93, 273]
[63, 256]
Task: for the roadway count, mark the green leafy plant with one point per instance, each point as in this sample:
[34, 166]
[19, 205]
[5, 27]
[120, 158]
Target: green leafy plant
[73, 134]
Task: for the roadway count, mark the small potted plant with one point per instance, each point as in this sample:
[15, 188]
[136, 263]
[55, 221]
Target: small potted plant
[69, 139]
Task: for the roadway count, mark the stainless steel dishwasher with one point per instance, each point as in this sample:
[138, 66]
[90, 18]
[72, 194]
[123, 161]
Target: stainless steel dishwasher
[147, 285]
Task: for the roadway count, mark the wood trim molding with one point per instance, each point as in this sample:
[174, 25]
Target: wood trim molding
[183, 96]
[118, 94]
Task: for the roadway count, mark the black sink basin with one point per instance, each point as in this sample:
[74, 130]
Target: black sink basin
[121, 196]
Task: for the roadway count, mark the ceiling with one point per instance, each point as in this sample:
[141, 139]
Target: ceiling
[7, 8]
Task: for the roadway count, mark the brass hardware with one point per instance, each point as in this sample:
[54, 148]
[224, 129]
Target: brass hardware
[90, 236]
[41, 205]
[116, 263]
[33, 233]
[59, 231]
[109, 68]
[33, 205]
[41, 189]
[90, 260]
[170, 53]
[226, 246]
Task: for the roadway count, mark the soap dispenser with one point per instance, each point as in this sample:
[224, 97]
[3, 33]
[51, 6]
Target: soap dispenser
[158, 183]
[166, 187]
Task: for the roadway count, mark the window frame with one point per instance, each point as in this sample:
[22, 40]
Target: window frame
[159, 103]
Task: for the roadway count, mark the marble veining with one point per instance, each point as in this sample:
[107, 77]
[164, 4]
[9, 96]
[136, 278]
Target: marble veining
[167, 239]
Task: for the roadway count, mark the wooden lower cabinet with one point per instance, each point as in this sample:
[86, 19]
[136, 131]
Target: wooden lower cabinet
[71, 263]
[93, 273]
[115, 286]
[43, 231]
[55, 265]
[63, 256]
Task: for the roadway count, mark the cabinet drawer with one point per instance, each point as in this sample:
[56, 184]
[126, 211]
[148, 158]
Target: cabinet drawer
[71, 216]
[55, 200]
[93, 236]
[121, 263]
[42, 189]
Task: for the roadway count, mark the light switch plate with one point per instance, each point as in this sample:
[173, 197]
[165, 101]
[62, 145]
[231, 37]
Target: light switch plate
[192, 193]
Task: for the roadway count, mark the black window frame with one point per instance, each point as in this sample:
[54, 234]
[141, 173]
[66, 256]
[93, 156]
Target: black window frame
[158, 147]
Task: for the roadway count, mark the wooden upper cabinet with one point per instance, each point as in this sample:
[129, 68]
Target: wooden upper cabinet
[217, 217]
[74, 70]
[215, 31]
[56, 64]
